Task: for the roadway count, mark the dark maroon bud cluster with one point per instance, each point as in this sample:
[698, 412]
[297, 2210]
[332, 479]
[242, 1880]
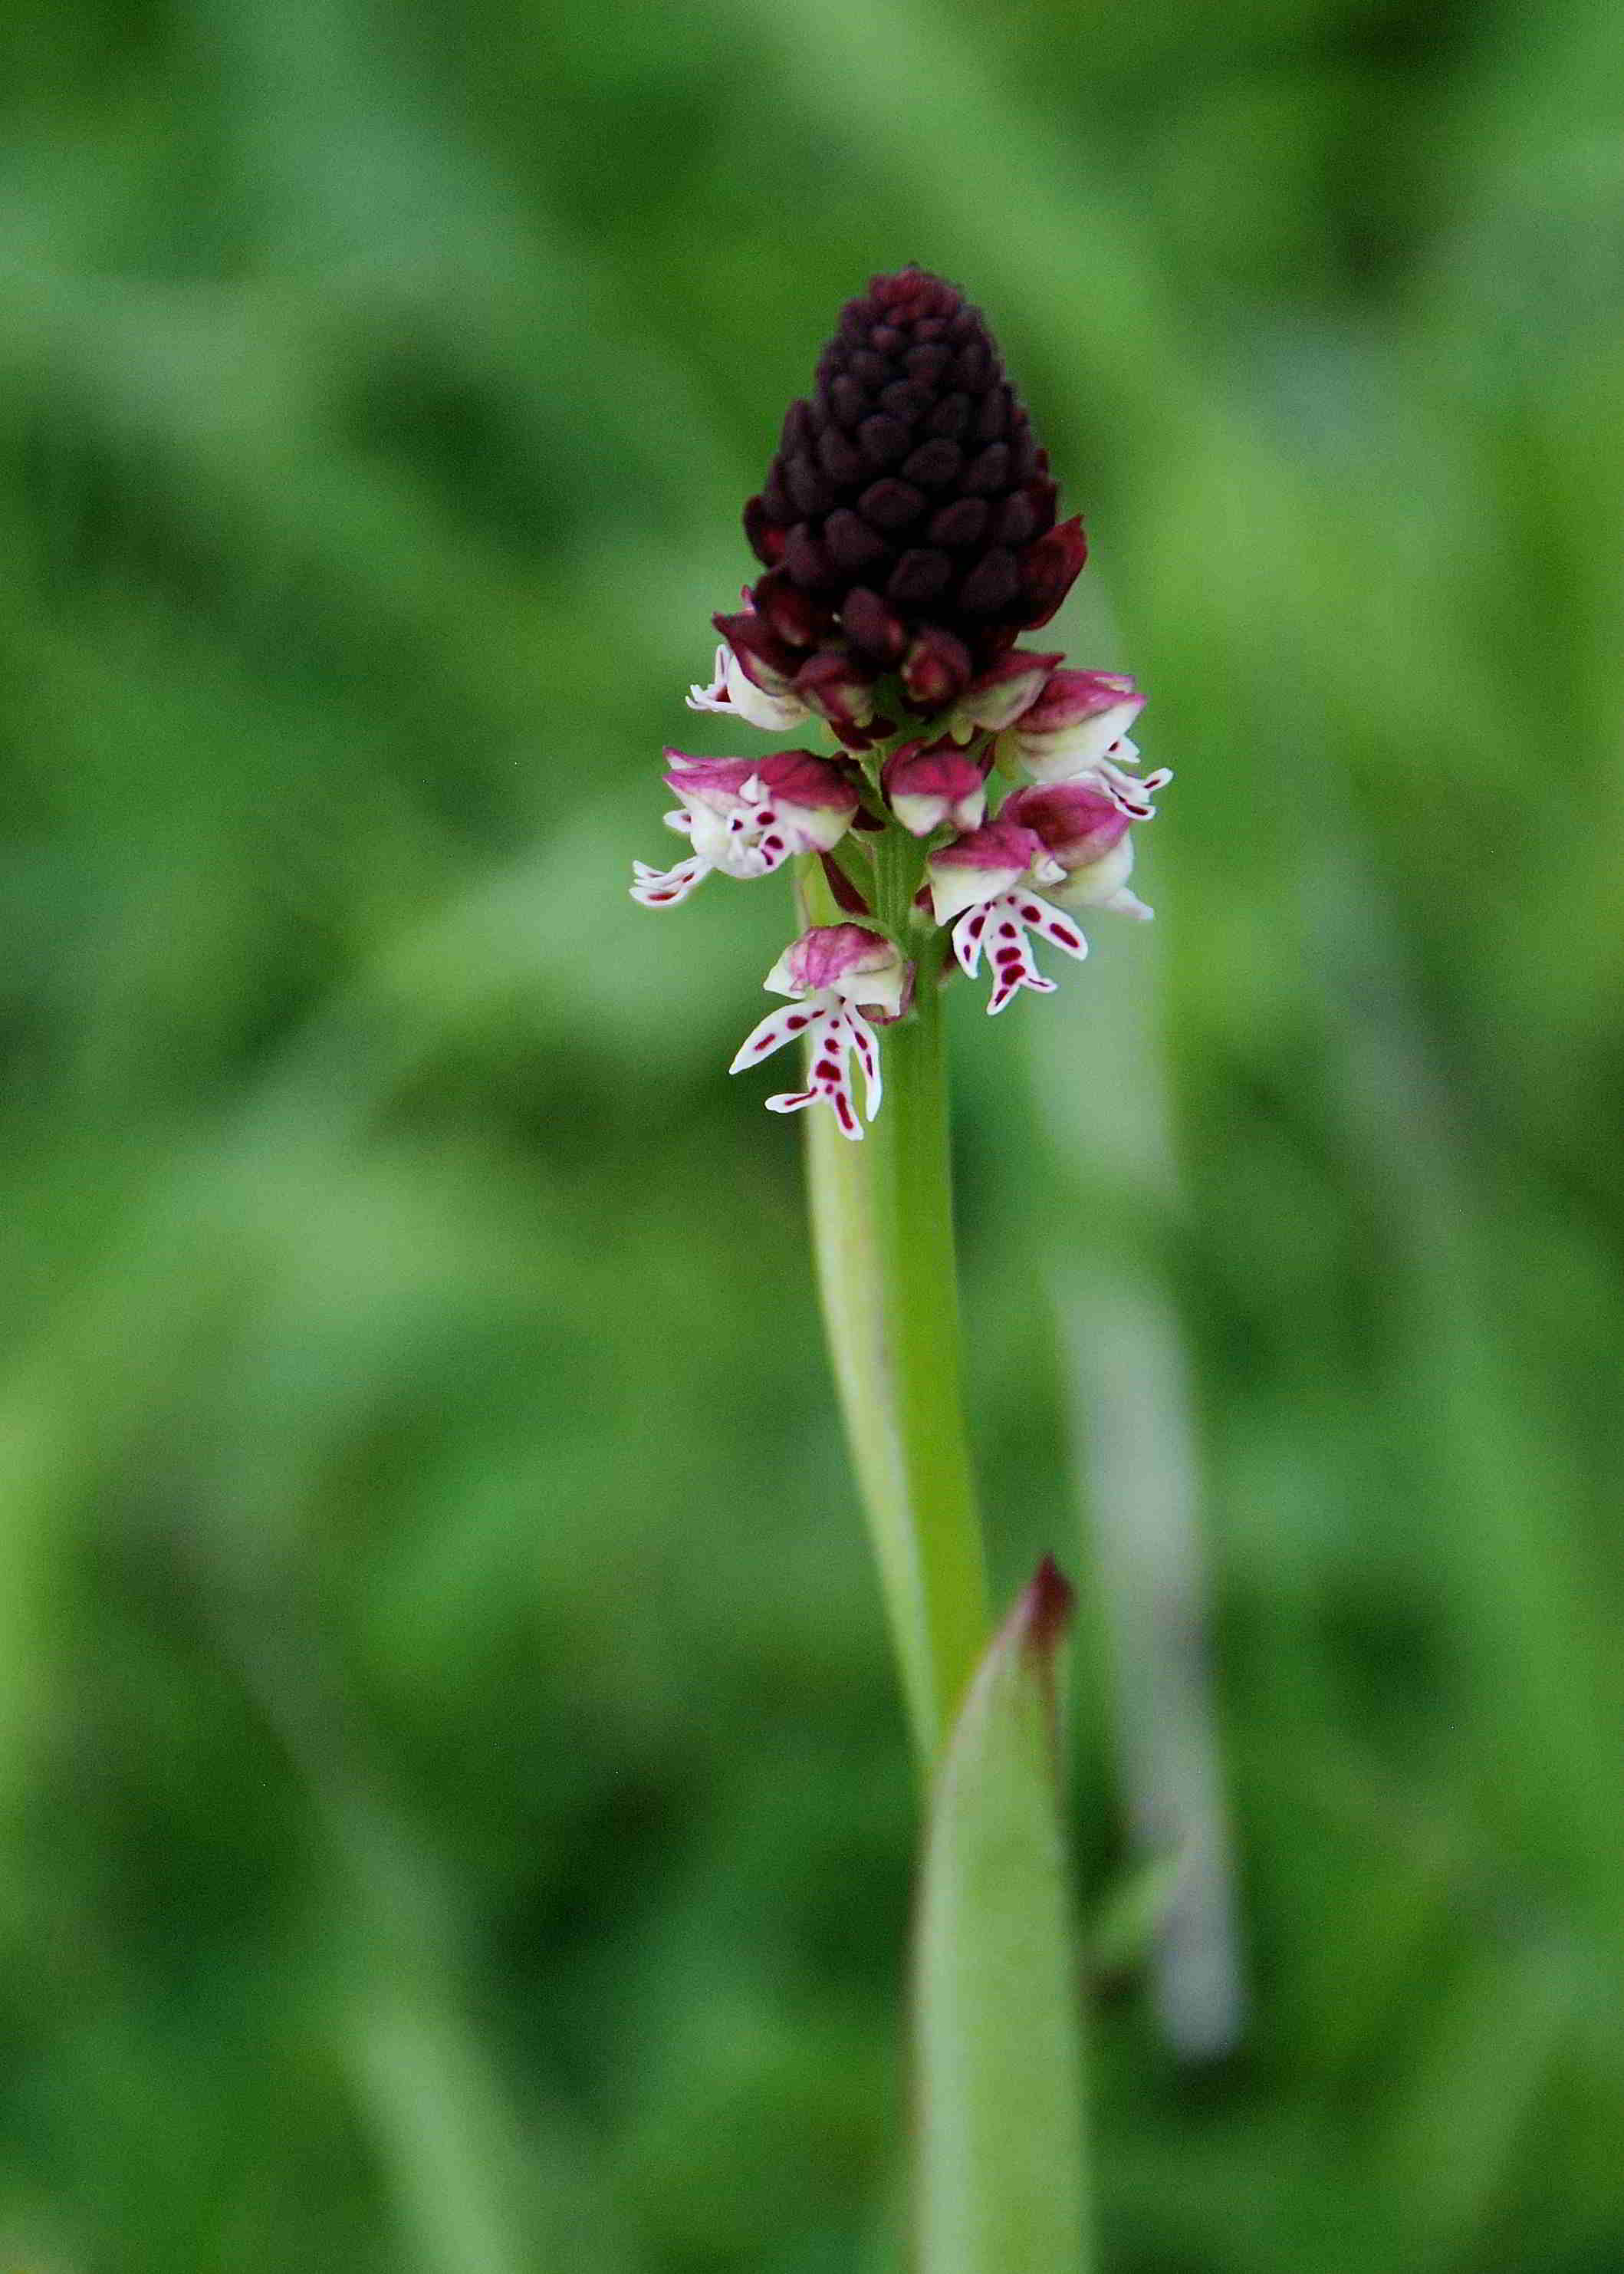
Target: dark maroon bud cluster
[907, 520]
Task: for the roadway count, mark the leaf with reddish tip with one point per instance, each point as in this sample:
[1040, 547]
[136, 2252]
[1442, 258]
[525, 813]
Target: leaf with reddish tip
[997, 2022]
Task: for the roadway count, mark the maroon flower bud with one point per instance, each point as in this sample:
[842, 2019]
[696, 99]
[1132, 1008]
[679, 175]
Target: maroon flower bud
[1050, 568]
[840, 690]
[788, 610]
[873, 629]
[909, 498]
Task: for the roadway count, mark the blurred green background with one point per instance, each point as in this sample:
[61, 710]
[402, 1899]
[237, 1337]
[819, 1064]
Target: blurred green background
[457, 1817]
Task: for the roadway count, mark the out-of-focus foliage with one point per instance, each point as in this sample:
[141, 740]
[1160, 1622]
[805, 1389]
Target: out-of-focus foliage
[456, 1814]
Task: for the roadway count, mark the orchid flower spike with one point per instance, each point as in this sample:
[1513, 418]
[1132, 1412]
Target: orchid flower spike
[908, 537]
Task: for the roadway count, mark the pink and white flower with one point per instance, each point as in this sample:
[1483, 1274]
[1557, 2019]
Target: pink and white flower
[1079, 717]
[746, 817]
[828, 974]
[986, 882]
[736, 696]
[1085, 829]
[928, 783]
[1071, 839]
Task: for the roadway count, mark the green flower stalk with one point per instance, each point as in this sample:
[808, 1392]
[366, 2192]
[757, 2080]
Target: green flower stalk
[907, 536]
[974, 798]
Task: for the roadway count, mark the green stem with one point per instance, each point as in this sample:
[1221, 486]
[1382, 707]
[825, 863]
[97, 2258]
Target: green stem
[882, 1236]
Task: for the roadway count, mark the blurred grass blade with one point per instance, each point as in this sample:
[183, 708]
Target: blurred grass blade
[997, 2012]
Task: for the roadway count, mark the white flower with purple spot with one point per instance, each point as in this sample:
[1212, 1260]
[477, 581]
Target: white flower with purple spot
[1071, 837]
[985, 882]
[828, 973]
[746, 817]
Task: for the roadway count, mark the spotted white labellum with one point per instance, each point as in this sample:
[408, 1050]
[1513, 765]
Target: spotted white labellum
[1001, 926]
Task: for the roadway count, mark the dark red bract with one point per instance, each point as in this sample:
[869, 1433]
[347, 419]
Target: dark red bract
[908, 500]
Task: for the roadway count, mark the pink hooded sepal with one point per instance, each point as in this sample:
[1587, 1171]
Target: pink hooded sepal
[980, 866]
[1076, 719]
[798, 780]
[1003, 693]
[1079, 822]
[1051, 566]
[856, 963]
[928, 783]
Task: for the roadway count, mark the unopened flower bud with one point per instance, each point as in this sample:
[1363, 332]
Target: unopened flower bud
[841, 691]
[1052, 567]
[928, 783]
[935, 670]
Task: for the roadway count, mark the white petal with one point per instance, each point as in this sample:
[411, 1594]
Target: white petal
[866, 1047]
[1095, 885]
[820, 827]
[956, 886]
[920, 815]
[1050, 924]
[664, 888]
[774, 1032]
[967, 939]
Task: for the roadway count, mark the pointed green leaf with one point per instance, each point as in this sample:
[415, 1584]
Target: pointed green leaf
[998, 2049]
